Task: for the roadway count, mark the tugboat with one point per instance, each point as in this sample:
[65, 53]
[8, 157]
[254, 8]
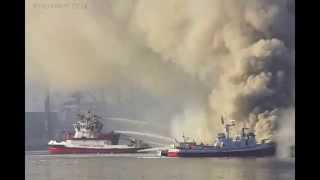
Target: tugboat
[224, 146]
[89, 139]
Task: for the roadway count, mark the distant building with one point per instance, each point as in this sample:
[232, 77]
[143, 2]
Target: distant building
[292, 151]
[39, 128]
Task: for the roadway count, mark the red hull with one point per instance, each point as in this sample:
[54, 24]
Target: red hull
[172, 154]
[68, 150]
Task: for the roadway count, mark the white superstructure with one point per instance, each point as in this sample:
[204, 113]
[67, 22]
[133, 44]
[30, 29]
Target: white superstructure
[88, 127]
[88, 138]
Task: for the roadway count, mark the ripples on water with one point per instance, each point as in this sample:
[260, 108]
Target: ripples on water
[41, 166]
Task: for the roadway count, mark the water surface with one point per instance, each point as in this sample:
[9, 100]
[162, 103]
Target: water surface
[41, 166]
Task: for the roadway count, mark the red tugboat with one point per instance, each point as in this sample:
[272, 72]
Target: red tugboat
[224, 146]
[89, 139]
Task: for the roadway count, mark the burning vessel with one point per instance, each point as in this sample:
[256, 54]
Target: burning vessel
[88, 138]
[224, 146]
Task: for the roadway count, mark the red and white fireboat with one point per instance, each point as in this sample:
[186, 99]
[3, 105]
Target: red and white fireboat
[89, 139]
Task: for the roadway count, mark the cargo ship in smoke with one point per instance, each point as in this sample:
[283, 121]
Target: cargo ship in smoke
[88, 138]
[243, 145]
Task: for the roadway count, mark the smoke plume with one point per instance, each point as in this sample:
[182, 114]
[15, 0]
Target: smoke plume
[242, 50]
[239, 47]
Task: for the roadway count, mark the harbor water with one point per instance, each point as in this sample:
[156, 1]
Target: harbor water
[42, 166]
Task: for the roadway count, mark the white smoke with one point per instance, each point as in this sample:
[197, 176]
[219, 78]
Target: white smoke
[285, 135]
[235, 46]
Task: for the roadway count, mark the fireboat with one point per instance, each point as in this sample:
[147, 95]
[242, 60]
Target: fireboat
[88, 138]
[243, 145]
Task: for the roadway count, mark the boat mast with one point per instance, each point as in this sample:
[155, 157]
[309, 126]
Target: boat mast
[227, 127]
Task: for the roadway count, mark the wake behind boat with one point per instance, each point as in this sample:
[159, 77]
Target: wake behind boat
[89, 139]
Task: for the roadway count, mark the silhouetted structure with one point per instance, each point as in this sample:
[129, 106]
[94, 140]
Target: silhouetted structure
[39, 126]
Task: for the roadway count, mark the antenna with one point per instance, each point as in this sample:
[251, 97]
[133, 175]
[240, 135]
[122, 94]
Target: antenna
[184, 138]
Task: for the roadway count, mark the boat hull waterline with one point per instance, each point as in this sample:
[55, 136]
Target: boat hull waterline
[255, 152]
[78, 150]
